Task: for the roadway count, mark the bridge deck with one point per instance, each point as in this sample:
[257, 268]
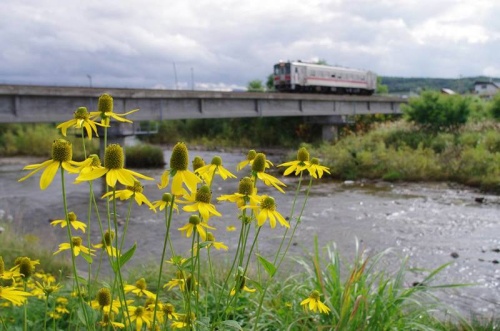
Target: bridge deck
[25, 103]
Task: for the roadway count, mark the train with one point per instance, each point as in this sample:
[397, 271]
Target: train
[298, 76]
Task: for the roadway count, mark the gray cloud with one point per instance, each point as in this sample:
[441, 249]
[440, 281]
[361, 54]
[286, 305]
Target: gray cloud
[224, 43]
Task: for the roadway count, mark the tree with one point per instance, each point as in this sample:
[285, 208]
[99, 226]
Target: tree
[381, 88]
[435, 111]
[255, 86]
[495, 107]
[270, 83]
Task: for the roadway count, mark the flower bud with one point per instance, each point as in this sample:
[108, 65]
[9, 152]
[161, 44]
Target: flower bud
[179, 158]
[303, 154]
[105, 104]
[246, 186]
[203, 194]
[103, 297]
[62, 150]
[114, 157]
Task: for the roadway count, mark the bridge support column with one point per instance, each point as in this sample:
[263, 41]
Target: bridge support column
[330, 132]
[329, 126]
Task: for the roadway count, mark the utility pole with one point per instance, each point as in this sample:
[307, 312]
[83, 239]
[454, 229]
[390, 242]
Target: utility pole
[192, 78]
[175, 76]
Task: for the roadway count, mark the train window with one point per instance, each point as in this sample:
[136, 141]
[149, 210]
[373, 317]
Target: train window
[333, 76]
[296, 70]
[313, 73]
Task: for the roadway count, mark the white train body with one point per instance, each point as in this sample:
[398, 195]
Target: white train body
[308, 77]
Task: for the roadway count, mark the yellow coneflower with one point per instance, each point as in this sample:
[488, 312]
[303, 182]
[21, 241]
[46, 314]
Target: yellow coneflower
[62, 154]
[267, 210]
[200, 202]
[81, 119]
[105, 111]
[245, 195]
[258, 170]
[72, 220]
[14, 295]
[249, 161]
[140, 289]
[313, 303]
[179, 172]
[78, 247]
[302, 163]
[132, 191]
[114, 170]
[209, 171]
[316, 170]
[166, 200]
[140, 316]
[195, 224]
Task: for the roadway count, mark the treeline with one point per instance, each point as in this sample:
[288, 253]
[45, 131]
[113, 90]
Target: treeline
[417, 85]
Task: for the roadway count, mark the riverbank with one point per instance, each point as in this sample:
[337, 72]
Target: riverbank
[432, 224]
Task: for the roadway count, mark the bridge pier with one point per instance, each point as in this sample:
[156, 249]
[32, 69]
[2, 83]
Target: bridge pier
[329, 126]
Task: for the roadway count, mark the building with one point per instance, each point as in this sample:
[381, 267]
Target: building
[486, 89]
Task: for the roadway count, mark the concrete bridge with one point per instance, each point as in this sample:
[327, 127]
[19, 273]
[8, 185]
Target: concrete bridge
[33, 104]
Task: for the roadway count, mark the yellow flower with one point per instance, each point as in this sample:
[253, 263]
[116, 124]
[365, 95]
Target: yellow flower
[24, 266]
[107, 243]
[209, 171]
[196, 224]
[258, 170]
[302, 163]
[313, 303]
[104, 303]
[184, 321]
[166, 200]
[132, 191]
[78, 247]
[316, 170]
[62, 154]
[230, 228]
[6, 274]
[200, 202]
[46, 288]
[216, 244]
[113, 169]
[76, 224]
[179, 172]
[81, 119]
[245, 195]
[107, 320]
[241, 282]
[249, 161]
[105, 111]
[93, 163]
[268, 211]
[139, 289]
[16, 296]
[141, 316]
[169, 310]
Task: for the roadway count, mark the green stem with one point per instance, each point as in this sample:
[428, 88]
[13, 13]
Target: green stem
[168, 219]
[25, 323]
[70, 238]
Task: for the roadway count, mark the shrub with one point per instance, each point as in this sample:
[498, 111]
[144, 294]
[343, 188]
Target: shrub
[434, 111]
[144, 156]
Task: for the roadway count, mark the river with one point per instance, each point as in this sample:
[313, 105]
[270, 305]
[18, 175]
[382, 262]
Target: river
[431, 223]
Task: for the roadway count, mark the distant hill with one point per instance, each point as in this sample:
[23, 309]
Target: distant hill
[407, 85]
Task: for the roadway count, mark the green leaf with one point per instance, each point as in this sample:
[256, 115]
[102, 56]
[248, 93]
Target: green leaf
[270, 268]
[124, 258]
[232, 324]
[128, 255]
[87, 257]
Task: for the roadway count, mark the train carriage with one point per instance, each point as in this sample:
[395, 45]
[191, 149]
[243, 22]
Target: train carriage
[307, 77]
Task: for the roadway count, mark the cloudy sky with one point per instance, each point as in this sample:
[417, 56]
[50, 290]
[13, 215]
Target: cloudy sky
[227, 43]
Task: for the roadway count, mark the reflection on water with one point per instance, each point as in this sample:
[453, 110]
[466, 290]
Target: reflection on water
[433, 224]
